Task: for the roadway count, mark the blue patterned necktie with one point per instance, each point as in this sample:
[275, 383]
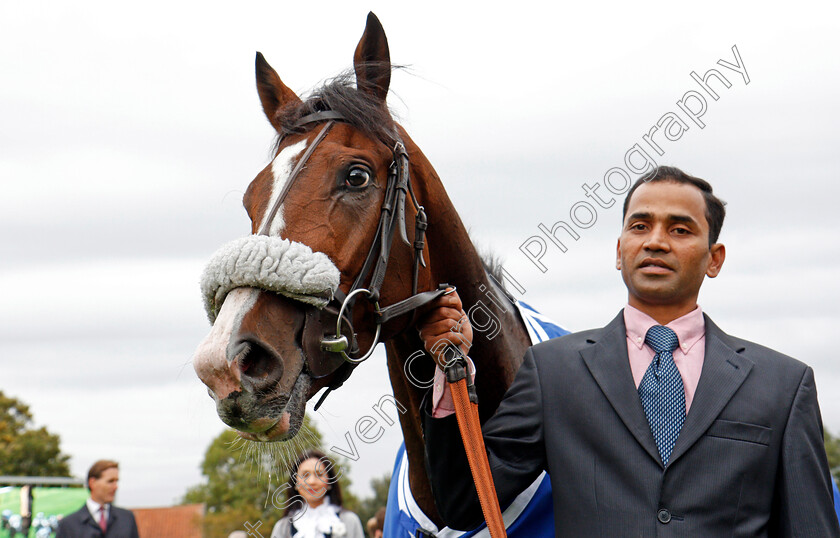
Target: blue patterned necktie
[662, 392]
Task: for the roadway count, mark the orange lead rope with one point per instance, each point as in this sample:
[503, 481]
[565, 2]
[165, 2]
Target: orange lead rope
[466, 411]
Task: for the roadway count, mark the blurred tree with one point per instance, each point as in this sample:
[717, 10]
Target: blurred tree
[832, 450]
[242, 479]
[26, 451]
[368, 507]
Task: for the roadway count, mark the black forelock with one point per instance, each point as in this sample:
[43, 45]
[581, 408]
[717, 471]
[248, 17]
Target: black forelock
[360, 109]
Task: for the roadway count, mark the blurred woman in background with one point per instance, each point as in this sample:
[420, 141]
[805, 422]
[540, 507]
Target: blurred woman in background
[314, 509]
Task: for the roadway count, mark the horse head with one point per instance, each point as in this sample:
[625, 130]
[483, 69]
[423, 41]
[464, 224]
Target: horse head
[324, 213]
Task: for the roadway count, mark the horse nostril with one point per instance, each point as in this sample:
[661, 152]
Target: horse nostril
[259, 366]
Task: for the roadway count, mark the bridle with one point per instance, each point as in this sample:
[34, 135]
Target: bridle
[391, 220]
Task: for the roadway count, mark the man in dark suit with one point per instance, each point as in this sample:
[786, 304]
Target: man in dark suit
[98, 518]
[659, 424]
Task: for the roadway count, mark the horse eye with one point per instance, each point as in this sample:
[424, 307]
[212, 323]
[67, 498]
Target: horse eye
[357, 177]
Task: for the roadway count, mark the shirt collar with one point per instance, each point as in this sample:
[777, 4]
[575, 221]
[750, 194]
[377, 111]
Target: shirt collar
[93, 508]
[689, 328]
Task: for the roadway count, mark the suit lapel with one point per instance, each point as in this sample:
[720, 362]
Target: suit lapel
[88, 519]
[606, 358]
[112, 518]
[724, 370]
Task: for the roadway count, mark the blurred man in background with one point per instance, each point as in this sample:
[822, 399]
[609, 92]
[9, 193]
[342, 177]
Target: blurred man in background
[99, 518]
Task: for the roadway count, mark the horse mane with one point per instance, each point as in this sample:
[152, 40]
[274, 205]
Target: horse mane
[360, 109]
[495, 268]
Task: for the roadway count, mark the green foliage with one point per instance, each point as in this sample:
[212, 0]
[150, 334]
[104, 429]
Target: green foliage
[27, 451]
[368, 507]
[832, 450]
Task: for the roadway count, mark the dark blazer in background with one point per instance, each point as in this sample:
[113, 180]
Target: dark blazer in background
[80, 524]
[749, 460]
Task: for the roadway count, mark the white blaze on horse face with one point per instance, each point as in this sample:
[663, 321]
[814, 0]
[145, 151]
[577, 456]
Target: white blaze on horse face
[215, 354]
[281, 169]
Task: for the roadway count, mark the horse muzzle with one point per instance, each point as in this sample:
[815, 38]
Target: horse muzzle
[251, 363]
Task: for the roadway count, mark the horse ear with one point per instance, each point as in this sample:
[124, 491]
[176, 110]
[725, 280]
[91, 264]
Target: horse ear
[274, 95]
[372, 61]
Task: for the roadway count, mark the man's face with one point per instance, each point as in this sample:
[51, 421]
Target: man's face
[104, 489]
[663, 251]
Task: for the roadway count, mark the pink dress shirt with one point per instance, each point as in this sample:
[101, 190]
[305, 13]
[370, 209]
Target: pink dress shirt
[442, 403]
[691, 332]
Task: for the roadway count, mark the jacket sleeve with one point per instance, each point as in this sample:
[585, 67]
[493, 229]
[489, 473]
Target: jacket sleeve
[134, 532]
[66, 527]
[353, 524]
[281, 529]
[63, 532]
[803, 496]
[515, 449]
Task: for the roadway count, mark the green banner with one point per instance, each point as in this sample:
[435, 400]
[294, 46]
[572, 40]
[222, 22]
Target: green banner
[46, 501]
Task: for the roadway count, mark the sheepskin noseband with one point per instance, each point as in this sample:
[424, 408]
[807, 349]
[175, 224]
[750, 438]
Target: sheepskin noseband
[270, 263]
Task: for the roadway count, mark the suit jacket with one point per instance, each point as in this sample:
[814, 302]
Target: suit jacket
[81, 524]
[749, 460]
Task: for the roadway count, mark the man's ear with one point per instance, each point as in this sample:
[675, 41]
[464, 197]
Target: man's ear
[618, 254]
[717, 255]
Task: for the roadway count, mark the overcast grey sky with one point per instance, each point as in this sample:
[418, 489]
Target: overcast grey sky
[131, 130]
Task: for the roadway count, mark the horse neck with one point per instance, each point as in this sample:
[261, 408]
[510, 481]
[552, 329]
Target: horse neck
[499, 342]
[499, 335]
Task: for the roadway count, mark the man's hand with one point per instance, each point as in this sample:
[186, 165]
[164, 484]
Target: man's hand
[445, 324]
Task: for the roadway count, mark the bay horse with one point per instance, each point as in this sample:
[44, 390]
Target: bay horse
[328, 221]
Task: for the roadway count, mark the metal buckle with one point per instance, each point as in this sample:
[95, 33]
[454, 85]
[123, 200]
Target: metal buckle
[339, 342]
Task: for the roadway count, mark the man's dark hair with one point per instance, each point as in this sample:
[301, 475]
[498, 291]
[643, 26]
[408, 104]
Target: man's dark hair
[100, 467]
[715, 207]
